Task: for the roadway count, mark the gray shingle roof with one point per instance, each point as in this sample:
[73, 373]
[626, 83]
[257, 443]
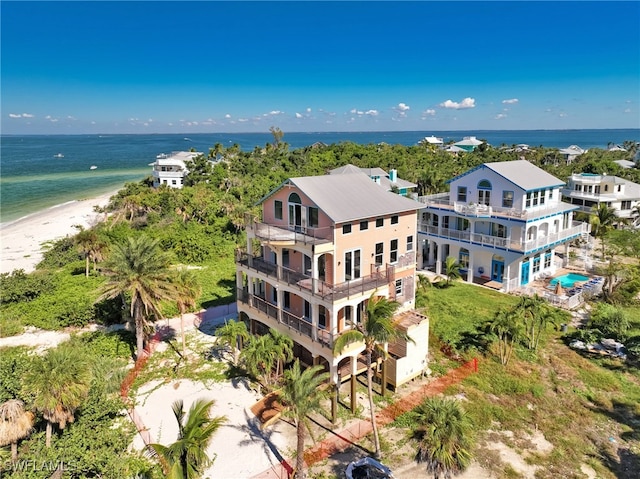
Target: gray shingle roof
[351, 197]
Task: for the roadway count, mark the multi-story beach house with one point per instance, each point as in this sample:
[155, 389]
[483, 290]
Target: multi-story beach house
[171, 169]
[588, 191]
[501, 221]
[323, 247]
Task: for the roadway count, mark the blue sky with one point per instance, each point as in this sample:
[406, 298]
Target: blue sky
[173, 67]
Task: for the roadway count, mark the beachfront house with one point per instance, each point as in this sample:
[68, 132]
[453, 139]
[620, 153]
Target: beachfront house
[571, 153]
[389, 181]
[171, 169]
[588, 191]
[468, 143]
[501, 221]
[323, 247]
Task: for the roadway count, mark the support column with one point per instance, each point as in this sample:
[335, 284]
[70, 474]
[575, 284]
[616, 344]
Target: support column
[470, 268]
[279, 263]
[314, 273]
[315, 314]
[565, 260]
[280, 297]
[354, 399]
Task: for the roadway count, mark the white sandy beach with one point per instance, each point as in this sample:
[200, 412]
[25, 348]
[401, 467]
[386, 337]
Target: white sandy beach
[21, 241]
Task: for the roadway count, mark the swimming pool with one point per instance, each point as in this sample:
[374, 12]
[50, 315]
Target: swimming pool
[568, 280]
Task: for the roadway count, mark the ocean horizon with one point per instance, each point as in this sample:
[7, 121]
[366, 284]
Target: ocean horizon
[42, 171]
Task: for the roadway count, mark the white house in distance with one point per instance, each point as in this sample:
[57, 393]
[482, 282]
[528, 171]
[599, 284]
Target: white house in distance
[571, 153]
[588, 191]
[171, 169]
[502, 221]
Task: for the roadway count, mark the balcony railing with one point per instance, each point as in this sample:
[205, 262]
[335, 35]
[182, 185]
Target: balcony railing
[328, 292]
[506, 243]
[443, 201]
[302, 325]
[296, 234]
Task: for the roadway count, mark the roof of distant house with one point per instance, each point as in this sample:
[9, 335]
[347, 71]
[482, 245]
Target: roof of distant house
[350, 197]
[385, 179]
[432, 140]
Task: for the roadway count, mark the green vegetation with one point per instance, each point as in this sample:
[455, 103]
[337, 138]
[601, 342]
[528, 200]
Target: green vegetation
[528, 379]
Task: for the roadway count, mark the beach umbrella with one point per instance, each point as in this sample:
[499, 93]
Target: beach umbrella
[559, 291]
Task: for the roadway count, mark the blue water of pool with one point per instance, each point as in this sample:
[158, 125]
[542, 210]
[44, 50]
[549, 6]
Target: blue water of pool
[568, 280]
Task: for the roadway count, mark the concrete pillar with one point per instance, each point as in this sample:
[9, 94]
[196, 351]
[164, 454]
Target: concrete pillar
[279, 262]
[280, 297]
[565, 260]
[471, 268]
[315, 313]
[335, 397]
[354, 398]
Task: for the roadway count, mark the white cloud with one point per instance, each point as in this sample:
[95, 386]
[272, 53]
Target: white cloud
[510, 101]
[464, 104]
[227, 116]
[308, 110]
[276, 112]
[20, 115]
[243, 120]
[371, 112]
[402, 107]
[298, 115]
[500, 116]
[428, 112]
[627, 110]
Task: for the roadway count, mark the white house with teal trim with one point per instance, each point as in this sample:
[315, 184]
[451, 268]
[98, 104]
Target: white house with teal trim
[502, 221]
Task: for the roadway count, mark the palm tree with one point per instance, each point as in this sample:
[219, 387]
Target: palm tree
[188, 291]
[15, 424]
[376, 330]
[284, 350]
[302, 395]
[187, 457]
[140, 270]
[444, 437]
[451, 269]
[507, 327]
[60, 382]
[602, 220]
[233, 334]
[91, 247]
[260, 356]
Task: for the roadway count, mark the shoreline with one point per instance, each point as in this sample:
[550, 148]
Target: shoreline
[22, 240]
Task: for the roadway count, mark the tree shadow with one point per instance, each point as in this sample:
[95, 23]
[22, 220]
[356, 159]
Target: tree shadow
[165, 333]
[229, 286]
[473, 340]
[622, 461]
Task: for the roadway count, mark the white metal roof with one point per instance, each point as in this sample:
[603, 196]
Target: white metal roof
[350, 197]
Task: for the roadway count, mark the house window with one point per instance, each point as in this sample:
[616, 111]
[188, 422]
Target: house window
[312, 216]
[287, 300]
[393, 251]
[174, 182]
[394, 220]
[498, 230]
[398, 287]
[606, 187]
[379, 253]
[410, 243]
[543, 194]
[307, 310]
[550, 194]
[535, 198]
[463, 259]
[274, 296]
[379, 222]
[346, 229]
[277, 209]
[352, 265]
[547, 259]
[322, 317]
[536, 264]
[462, 194]
[528, 204]
[625, 205]
[364, 225]
[507, 199]
[462, 224]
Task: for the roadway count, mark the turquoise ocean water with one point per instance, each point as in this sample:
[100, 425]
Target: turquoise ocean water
[40, 171]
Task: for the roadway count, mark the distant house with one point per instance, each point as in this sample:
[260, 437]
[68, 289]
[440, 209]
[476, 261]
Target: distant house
[171, 169]
[431, 142]
[571, 153]
[589, 191]
[390, 181]
[501, 221]
[469, 143]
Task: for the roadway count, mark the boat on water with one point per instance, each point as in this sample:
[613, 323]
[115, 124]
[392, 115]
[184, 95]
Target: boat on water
[59, 155]
[93, 167]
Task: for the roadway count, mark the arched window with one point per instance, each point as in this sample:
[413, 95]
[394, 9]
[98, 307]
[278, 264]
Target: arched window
[484, 192]
[295, 198]
[463, 258]
[484, 185]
